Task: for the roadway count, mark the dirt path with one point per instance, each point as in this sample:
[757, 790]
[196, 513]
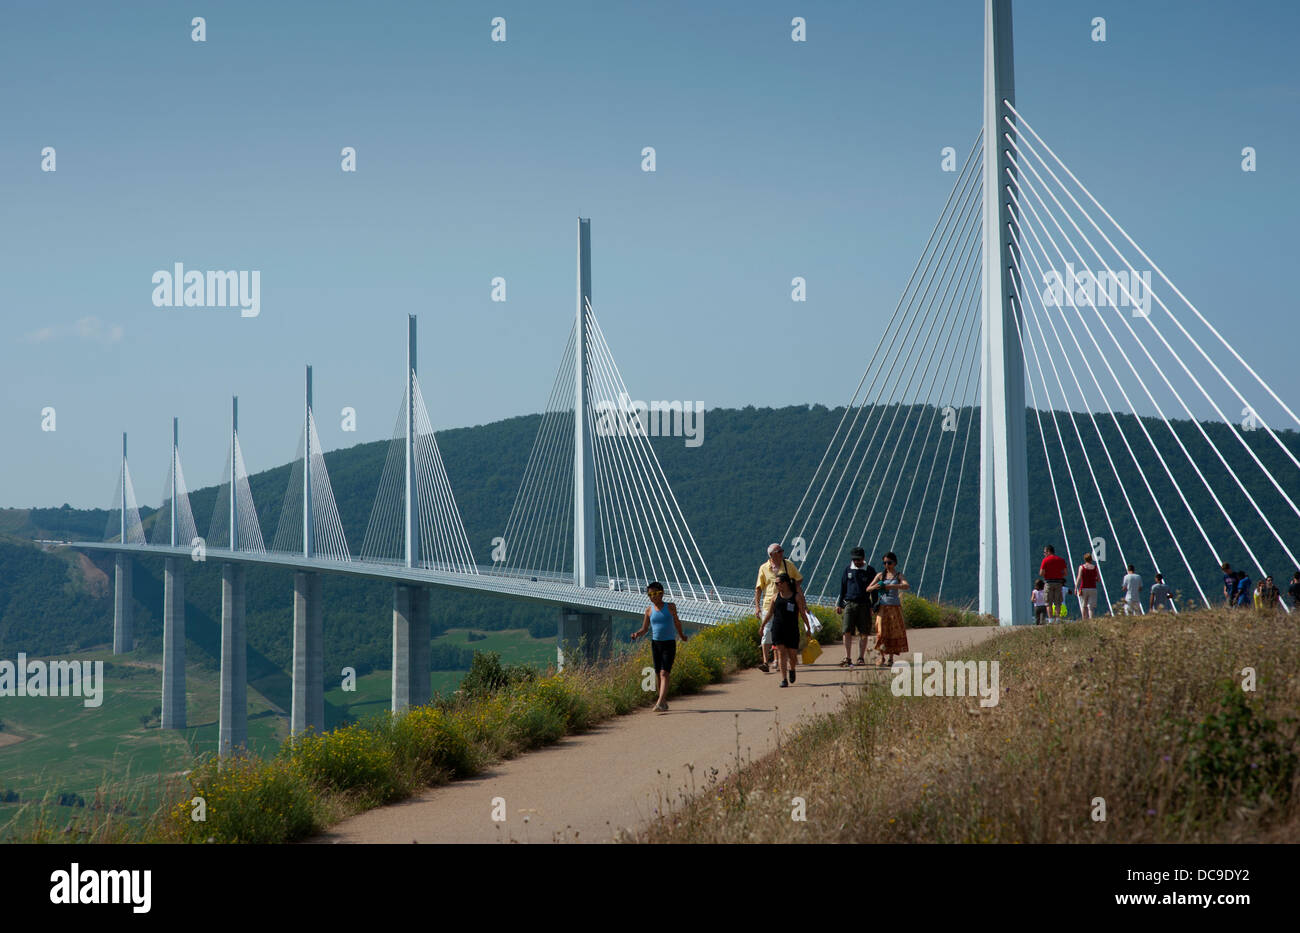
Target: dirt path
[595, 786]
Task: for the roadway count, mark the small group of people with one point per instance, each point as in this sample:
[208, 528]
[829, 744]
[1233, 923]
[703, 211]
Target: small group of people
[1239, 593]
[1049, 589]
[870, 603]
[1238, 589]
[783, 614]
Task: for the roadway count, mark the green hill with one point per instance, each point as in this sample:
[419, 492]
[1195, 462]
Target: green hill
[738, 491]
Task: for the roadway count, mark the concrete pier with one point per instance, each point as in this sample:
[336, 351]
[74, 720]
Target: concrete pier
[123, 606]
[584, 636]
[308, 705]
[232, 731]
[411, 635]
[173, 688]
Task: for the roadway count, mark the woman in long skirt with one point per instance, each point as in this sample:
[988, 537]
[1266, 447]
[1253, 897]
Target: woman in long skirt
[891, 633]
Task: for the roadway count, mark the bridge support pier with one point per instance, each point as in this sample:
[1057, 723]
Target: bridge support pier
[232, 731]
[308, 704]
[123, 607]
[411, 634]
[584, 636]
[173, 687]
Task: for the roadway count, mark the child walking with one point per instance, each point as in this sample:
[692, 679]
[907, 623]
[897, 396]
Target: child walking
[1040, 601]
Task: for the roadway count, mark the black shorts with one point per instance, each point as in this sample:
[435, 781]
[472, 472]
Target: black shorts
[664, 653]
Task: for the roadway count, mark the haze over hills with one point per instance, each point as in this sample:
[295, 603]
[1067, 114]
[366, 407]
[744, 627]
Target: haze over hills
[737, 490]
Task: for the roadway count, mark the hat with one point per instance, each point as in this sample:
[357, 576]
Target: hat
[858, 552]
[773, 547]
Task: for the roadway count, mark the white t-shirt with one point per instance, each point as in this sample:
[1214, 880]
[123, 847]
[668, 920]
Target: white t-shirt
[1040, 597]
[1132, 585]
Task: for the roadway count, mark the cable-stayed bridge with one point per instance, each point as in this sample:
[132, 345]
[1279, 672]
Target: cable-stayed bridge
[594, 520]
[1030, 297]
[1087, 370]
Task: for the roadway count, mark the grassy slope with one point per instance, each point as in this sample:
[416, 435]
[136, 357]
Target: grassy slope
[68, 748]
[1088, 710]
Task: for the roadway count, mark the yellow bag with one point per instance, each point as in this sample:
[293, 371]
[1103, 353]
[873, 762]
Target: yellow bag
[812, 651]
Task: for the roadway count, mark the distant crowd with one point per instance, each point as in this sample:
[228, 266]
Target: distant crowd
[1051, 587]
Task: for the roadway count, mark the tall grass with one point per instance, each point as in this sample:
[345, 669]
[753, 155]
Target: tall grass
[1146, 715]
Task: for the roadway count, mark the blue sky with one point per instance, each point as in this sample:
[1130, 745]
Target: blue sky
[774, 159]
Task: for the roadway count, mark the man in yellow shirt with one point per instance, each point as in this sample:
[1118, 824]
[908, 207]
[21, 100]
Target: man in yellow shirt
[765, 592]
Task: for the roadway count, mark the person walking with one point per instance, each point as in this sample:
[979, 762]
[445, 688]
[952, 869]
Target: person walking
[765, 592]
[1085, 583]
[1039, 597]
[891, 635]
[1053, 570]
[1229, 585]
[1161, 597]
[1294, 589]
[1132, 587]
[660, 620]
[1243, 590]
[785, 618]
[1269, 595]
[856, 605]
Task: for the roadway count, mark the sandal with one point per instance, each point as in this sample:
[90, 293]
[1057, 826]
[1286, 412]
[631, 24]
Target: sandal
[847, 663]
[862, 662]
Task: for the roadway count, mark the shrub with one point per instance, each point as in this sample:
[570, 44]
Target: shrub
[432, 745]
[247, 800]
[561, 695]
[356, 758]
[1237, 752]
[532, 725]
[487, 675]
[921, 613]
[689, 673]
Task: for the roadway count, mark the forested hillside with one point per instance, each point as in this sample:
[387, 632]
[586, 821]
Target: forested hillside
[738, 491]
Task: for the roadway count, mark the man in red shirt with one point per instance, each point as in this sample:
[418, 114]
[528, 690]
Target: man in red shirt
[1053, 570]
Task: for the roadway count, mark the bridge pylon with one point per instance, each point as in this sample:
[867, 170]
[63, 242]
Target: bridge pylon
[583, 632]
[1005, 561]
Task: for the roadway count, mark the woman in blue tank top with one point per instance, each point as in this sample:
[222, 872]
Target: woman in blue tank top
[660, 620]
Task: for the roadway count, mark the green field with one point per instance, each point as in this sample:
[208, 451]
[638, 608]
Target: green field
[66, 748]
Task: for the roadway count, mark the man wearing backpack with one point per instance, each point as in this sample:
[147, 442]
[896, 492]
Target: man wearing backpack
[856, 605]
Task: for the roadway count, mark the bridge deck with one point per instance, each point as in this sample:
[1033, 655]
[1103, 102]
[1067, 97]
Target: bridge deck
[722, 604]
